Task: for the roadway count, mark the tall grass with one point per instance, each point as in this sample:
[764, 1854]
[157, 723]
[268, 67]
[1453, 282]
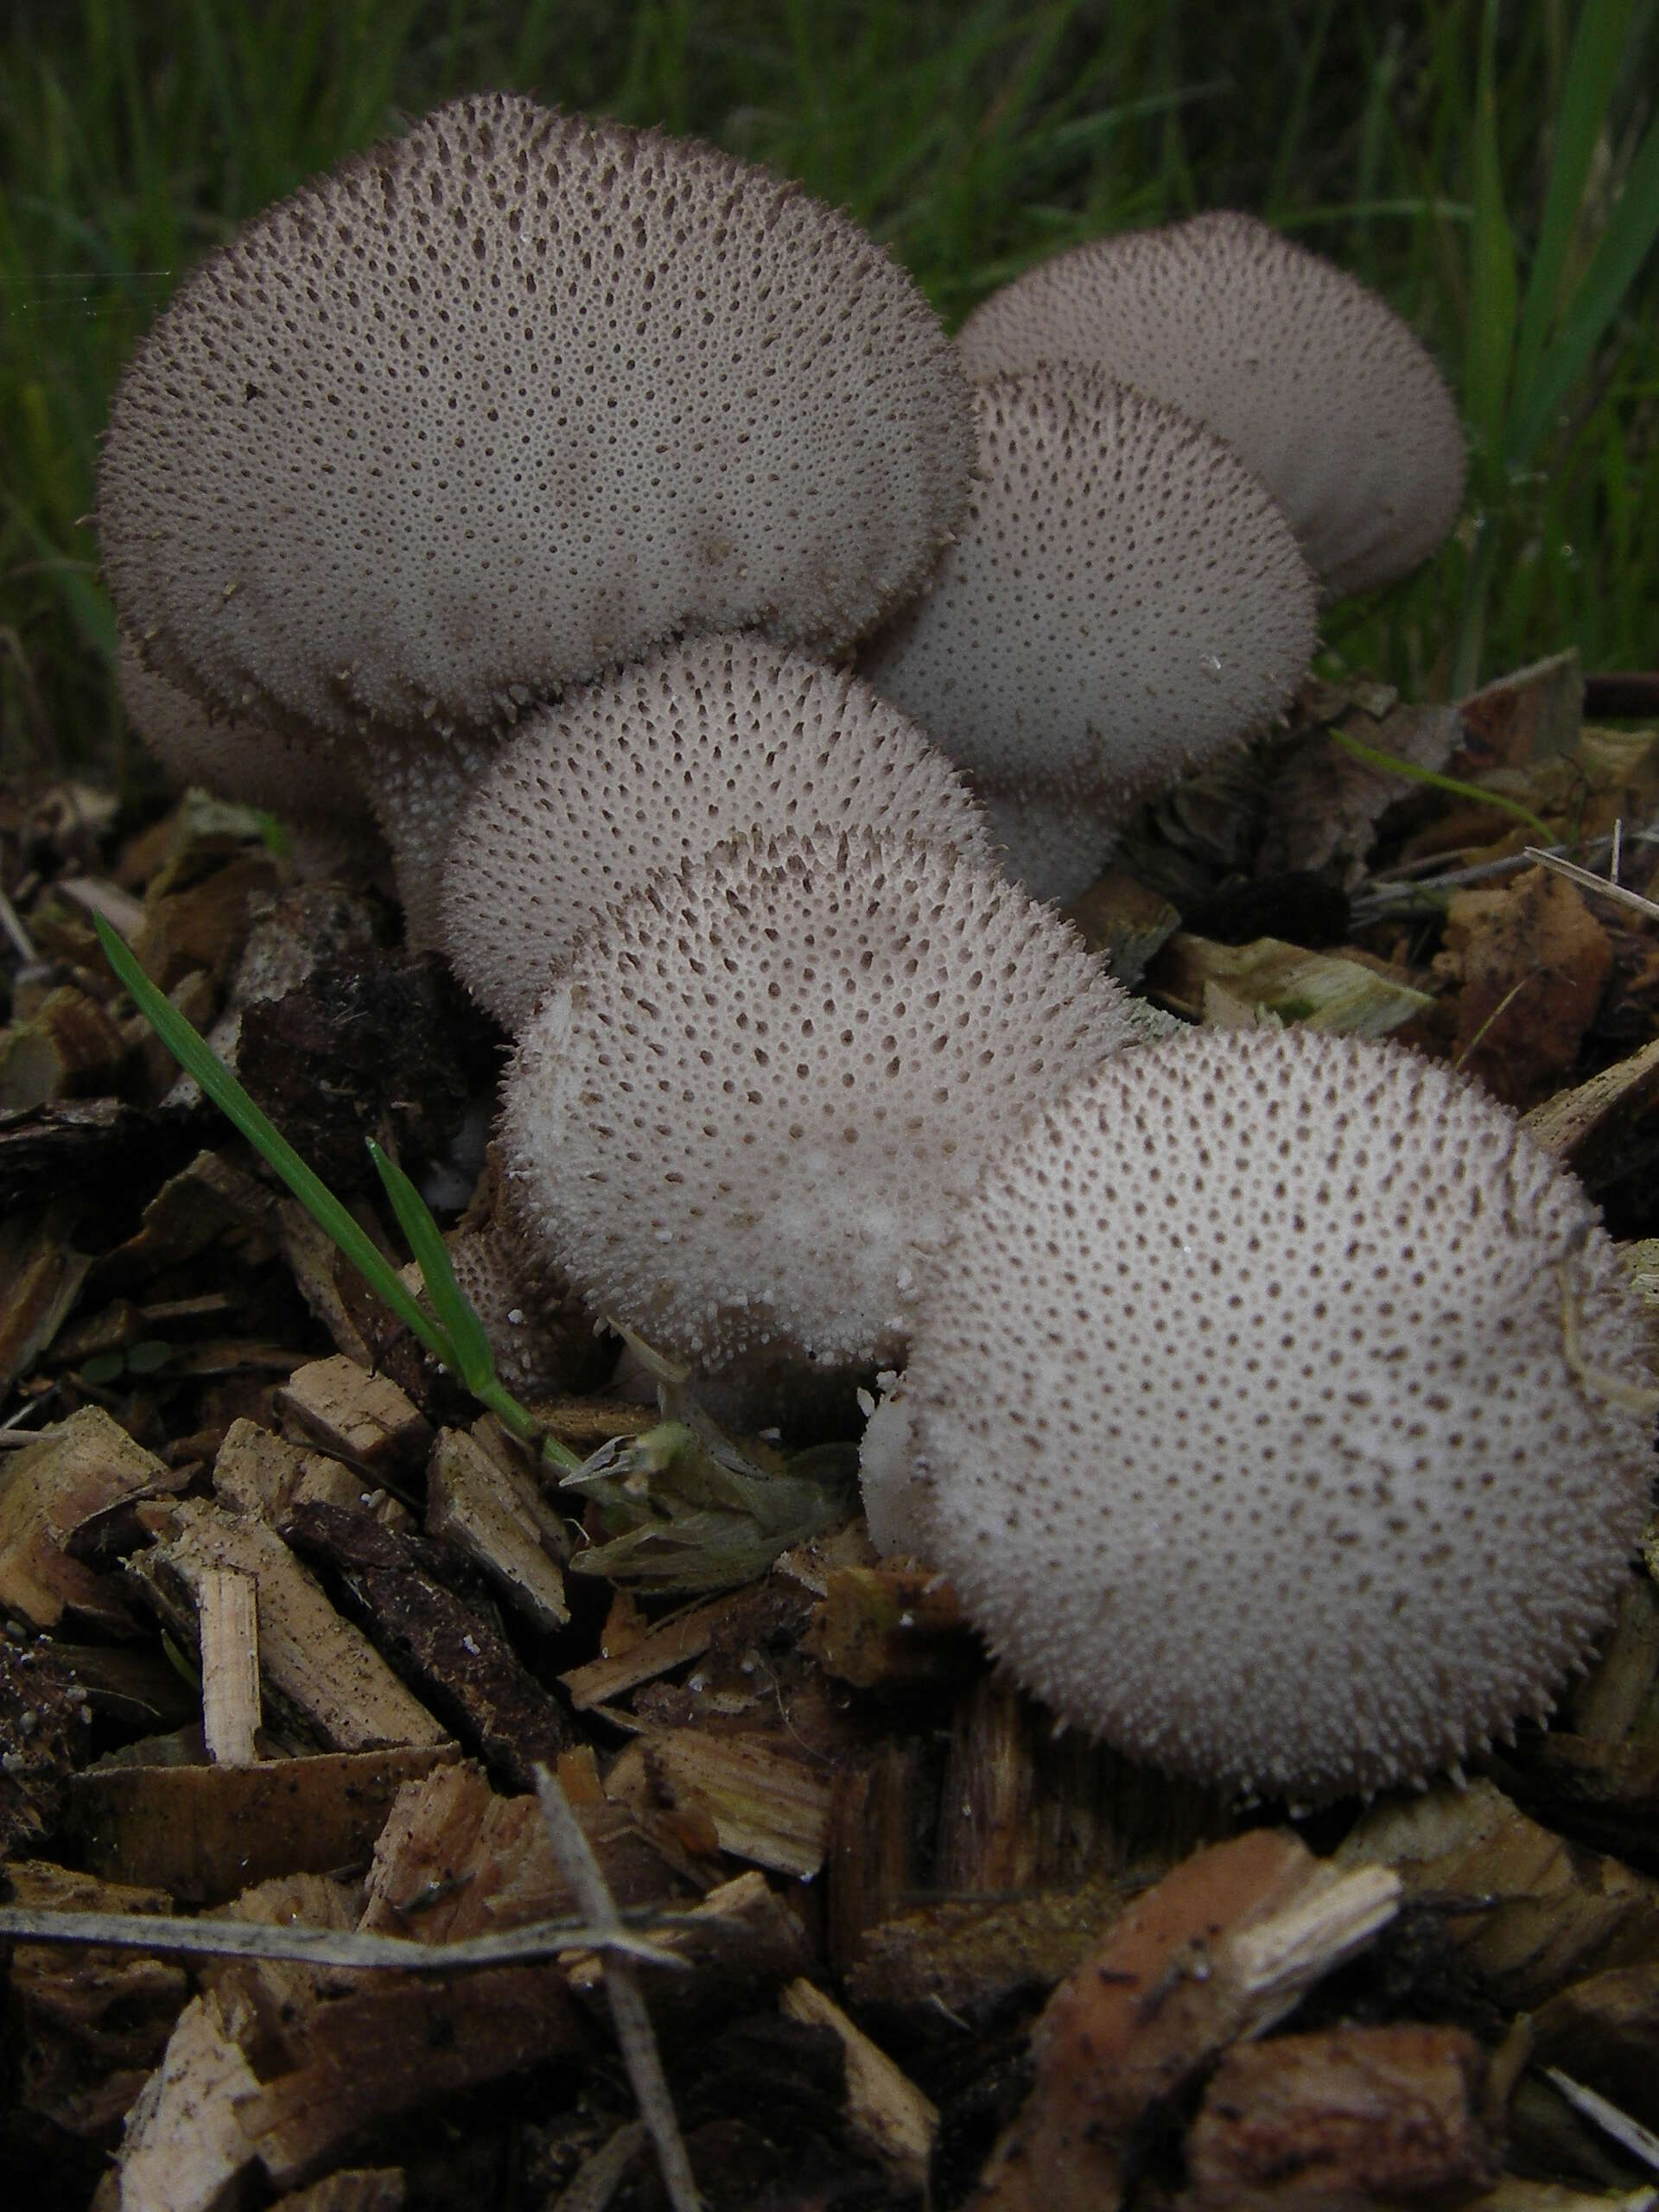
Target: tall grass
[1416, 144]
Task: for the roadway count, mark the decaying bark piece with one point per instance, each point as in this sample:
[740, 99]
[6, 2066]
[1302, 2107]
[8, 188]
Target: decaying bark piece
[1221, 1949]
[49, 1491]
[313, 1663]
[204, 1833]
[1541, 1914]
[1524, 966]
[891, 1625]
[91, 2024]
[40, 1276]
[886, 2113]
[464, 1668]
[1337, 2121]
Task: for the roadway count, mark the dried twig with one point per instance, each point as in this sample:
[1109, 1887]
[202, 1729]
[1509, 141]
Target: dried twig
[633, 2029]
[327, 1947]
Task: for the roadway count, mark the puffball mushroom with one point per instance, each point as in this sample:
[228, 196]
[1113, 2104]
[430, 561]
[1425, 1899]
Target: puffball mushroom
[1314, 381]
[1280, 1412]
[705, 741]
[242, 759]
[1124, 597]
[509, 400]
[744, 1117]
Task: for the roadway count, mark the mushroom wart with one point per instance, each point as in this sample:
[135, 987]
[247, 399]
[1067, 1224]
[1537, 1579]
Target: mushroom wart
[1314, 381]
[744, 1117]
[1278, 1413]
[705, 742]
[509, 400]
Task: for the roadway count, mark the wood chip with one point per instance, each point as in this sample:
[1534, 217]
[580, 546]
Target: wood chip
[1350, 2118]
[461, 1664]
[48, 1492]
[1319, 990]
[204, 1832]
[1221, 1947]
[362, 1418]
[229, 1644]
[891, 1626]
[886, 2113]
[1542, 1913]
[492, 1512]
[313, 1663]
[766, 1803]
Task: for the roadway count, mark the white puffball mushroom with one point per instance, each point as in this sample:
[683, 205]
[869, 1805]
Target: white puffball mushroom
[508, 401]
[745, 1116]
[1279, 1414]
[705, 741]
[238, 757]
[1312, 378]
[1124, 599]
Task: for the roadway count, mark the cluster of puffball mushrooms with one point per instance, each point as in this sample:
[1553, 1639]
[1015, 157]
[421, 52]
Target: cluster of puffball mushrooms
[736, 668]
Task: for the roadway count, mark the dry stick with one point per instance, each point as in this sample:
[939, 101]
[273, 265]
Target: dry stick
[633, 2028]
[327, 1947]
[1586, 879]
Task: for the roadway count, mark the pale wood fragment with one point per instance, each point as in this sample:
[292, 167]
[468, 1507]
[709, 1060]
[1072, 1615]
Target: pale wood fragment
[687, 1636]
[767, 1803]
[357, 1416]
[229, 1640]
[184, 2148]
[1221, 1947]
[255, 1471]
[50, 1490]
[316, 1664]
[494, 1513]
[886, 2113]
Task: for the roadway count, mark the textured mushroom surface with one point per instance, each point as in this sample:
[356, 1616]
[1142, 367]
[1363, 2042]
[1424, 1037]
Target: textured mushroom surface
[707, 741]
[1312, 379]
[509, 400]
[744, 1118]
[1276, 1412]
[1124, 599]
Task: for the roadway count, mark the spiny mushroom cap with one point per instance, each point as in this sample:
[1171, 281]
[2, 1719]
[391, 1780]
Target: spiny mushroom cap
[1313, 380]
[1124, 597]
[1274, 1413]
[236, 755]
[509, 400]
[707, 741]
[745, 1116]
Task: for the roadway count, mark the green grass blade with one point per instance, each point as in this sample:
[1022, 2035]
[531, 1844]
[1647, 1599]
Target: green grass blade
[454, 1311]
[1373, 757]
[1624, 245]
[1592, 74]
[1490, 341]
[197, 1056]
